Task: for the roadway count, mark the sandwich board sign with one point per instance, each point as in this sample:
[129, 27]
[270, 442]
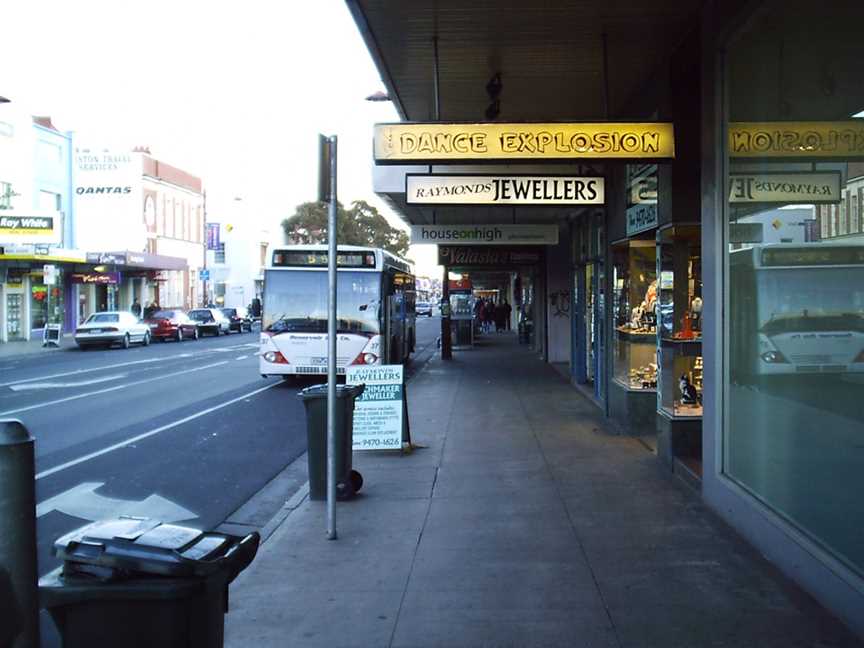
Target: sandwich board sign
[380, 412]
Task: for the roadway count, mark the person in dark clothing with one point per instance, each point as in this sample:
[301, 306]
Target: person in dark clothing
[508, 309]
[500, 317]
[136, 308]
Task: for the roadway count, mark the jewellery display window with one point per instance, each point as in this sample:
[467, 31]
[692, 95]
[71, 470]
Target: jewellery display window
[679, 313]
[635, 314]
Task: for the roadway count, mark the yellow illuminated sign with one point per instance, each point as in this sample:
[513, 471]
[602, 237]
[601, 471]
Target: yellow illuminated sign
[494, 141]
[796, 139]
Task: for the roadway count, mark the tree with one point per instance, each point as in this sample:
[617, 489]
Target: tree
[359, 225]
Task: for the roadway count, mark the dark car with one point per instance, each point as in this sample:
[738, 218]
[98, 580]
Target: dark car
[210, 320]
[172, 325]
[239, 318]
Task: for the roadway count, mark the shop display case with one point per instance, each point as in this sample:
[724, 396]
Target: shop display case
[679, 313]
[635, 314]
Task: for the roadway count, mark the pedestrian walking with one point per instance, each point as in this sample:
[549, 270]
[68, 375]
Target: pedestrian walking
[136, 308]
[508, 310]
[500, 317]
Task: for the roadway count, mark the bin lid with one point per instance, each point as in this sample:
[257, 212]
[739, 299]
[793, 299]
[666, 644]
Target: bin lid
[145, 546]
[320, 391]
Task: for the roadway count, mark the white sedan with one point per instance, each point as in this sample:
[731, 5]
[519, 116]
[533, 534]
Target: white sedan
[112, 327]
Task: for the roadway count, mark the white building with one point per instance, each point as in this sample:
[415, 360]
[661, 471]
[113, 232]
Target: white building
[236, 266]
[141, 222]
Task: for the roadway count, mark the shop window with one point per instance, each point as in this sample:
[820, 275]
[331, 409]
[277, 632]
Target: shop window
[6, 195]
[634, 304]
[219, 254]
[794, 329]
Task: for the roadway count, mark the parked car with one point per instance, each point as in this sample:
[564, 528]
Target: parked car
[240, 318]
[210, 320]
[172, 325]
[423, 308]
[112, 327]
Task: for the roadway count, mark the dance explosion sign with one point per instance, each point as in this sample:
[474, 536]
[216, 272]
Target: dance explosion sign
[396, 143]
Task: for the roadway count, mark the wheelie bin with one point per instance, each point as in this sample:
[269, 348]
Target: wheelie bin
[348, 481]
[139, 582]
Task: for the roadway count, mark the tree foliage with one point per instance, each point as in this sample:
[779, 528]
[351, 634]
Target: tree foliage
[359, 225]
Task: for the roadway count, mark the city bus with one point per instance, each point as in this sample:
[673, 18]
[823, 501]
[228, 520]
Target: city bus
[375, 310]
[796, 309]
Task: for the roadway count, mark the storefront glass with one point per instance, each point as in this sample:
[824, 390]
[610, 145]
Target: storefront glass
[46, 301]
[634, 298]
[794, 375]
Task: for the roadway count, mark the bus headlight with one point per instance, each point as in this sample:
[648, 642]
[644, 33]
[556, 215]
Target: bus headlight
[370, 358]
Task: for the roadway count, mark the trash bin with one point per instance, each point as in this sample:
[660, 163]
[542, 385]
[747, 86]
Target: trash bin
[348, 481]
[139, 582]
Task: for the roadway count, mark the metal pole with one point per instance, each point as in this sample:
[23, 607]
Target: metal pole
[18, 571]
[331, 348]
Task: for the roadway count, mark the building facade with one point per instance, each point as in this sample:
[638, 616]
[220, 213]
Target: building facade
[37, 225]
[711, 303]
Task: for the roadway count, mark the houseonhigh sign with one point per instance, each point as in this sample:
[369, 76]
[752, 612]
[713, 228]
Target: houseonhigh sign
[483, 142]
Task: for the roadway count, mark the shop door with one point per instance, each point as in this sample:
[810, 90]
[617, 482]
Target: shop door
[598, 331]
[14, 330]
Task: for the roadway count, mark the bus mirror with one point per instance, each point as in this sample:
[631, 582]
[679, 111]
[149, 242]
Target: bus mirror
[363, 307]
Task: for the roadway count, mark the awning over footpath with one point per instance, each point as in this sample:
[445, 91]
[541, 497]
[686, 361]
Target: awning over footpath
[139, 260]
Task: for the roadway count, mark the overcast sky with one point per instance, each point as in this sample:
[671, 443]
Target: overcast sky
[233, 92]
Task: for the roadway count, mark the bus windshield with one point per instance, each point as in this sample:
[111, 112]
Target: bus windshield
[295, 301]
[808, 299]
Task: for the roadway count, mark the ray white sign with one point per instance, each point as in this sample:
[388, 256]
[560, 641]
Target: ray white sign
[503, 190]
[485, 234]
[789, 187]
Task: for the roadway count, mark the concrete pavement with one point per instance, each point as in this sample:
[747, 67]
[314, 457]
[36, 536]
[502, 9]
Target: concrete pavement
[522, 522]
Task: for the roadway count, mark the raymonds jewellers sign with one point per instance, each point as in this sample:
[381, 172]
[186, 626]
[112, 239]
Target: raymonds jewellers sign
[503, 190]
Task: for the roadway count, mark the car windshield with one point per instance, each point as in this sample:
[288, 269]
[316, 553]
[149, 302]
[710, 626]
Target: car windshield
[201, 315]
[99, 318]
[164, 315]
[229, 312]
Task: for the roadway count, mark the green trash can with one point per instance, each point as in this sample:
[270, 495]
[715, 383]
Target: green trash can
[136, 582]
[348, 481]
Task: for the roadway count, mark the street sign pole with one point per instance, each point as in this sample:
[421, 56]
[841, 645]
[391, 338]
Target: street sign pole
[331, 344]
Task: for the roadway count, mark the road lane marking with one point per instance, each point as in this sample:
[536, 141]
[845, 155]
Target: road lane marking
[64, 385]
[109, 389]
[168, 426]
[81, 371]
[82, 501]
[243, 357]
[64, 374]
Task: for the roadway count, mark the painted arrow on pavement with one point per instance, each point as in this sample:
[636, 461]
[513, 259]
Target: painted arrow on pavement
[82, 501]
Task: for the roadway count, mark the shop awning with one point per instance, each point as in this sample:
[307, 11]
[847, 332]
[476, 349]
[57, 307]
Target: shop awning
[560, 60]
[141, 260]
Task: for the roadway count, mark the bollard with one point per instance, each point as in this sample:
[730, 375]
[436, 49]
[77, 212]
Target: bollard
[19, 592]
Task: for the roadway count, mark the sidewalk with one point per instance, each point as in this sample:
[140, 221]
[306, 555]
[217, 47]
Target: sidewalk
[523, 523]
[33, 347]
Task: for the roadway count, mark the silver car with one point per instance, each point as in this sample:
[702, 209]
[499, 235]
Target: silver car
[112, 327]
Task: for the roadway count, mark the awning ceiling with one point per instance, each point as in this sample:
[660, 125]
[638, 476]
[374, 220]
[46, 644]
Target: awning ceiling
[549, 55]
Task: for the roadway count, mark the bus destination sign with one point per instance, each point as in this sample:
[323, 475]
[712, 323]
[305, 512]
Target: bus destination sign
[288, 259]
